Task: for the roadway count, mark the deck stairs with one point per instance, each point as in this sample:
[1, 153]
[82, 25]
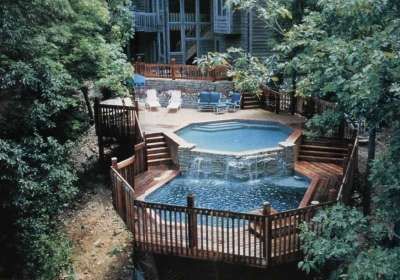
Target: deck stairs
[157, 149]
[250, 101]
[324, 151]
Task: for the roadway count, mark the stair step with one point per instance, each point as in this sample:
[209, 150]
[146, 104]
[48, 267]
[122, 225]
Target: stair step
[156, 145]
[250, 102]
[322, 153]
[322, 142]
[251, 107]
[153, 134]
[157, 155]
[159, 161]
[321, 159]
[154, 139]
[156, 150]
[322, 148]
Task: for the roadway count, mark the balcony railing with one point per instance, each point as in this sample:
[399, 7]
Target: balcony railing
[146, 22]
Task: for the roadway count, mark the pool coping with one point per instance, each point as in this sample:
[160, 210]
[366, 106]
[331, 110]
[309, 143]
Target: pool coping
[290, 140]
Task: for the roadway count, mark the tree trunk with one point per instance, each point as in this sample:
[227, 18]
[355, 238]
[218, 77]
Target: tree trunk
[85, 92]
[371, 157]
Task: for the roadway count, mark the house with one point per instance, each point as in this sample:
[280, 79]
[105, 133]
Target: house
[185, 29]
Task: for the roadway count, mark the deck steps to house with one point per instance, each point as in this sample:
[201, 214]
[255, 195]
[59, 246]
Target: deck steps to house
[157, 149]
[324, 151]
[250, 101]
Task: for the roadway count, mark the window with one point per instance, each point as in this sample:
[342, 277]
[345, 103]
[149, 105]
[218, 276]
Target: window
[174, 6]
[217, 46]
[175, 41]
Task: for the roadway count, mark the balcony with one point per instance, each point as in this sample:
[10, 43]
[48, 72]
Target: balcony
[146, 22]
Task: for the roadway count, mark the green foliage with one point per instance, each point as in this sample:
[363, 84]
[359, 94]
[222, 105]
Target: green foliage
[347, 52]
[247, 72]
[326, 124]
[39, 181]
[347, 248]
[49, 51]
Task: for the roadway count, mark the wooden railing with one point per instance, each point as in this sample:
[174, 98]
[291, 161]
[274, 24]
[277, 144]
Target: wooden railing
[179, 71]
[249, 239]
[260, 240]
[116, 121]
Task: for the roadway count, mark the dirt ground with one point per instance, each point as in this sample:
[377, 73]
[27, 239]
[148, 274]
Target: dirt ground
[102, 246]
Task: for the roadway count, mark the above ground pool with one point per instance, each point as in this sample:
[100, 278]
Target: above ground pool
[235, 136]
[283, 193]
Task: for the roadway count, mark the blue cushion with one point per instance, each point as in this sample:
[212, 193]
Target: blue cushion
[139, 80]
[235, 97]
[204, 97]
[215, 97]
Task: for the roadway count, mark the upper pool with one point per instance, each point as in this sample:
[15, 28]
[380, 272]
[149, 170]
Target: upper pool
[235, 136]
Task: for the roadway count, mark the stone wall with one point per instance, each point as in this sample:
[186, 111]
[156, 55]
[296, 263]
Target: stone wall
[189, 88]
[242, 166]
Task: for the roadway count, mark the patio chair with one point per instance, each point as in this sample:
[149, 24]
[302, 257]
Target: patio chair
[234, 101]
[175, 102]
[152, 101]
[203, 100]
[215, 102]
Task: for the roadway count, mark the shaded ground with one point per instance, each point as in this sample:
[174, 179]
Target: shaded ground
[102, 246]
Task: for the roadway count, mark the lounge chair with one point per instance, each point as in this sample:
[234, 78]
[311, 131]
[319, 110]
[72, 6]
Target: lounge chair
[203, 100]
[175, 102]
[234, 101]
[216, 104]
[210, 101]
[152, 101]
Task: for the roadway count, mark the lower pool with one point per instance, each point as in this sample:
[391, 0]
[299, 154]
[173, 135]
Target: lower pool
[284, 193]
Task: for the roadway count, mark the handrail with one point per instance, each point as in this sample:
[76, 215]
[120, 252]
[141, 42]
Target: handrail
[348, 173]
[139, 127]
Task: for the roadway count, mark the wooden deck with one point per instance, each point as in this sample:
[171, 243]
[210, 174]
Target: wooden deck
[260, 239]
[324, 176]
[154, 177]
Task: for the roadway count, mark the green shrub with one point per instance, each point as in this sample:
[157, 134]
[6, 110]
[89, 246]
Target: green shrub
[326, 124]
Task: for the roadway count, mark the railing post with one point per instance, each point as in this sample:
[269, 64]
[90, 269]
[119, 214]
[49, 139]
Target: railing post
[173, 63]
[136, 102]
[332, 194]
[277, 103]
[192, 222]
[114, 162]
[267, 244]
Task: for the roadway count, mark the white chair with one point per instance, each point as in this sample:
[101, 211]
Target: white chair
[152, 101]
[175, 102]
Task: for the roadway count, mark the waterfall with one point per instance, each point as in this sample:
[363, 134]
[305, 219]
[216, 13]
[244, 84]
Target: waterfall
[195, 168]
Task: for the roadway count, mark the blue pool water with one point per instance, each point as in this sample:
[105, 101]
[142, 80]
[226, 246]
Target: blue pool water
[235, 136]
[283, 193]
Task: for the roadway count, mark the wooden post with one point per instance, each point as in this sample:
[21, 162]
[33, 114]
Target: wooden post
[192, 222]
[173, 63]
[267, 244]
[114, 163]
[277, 103]
[136, 102]
[213, 75]
[332, 194]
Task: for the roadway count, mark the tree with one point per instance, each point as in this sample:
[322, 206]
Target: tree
[49, 52]
[346, 52]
